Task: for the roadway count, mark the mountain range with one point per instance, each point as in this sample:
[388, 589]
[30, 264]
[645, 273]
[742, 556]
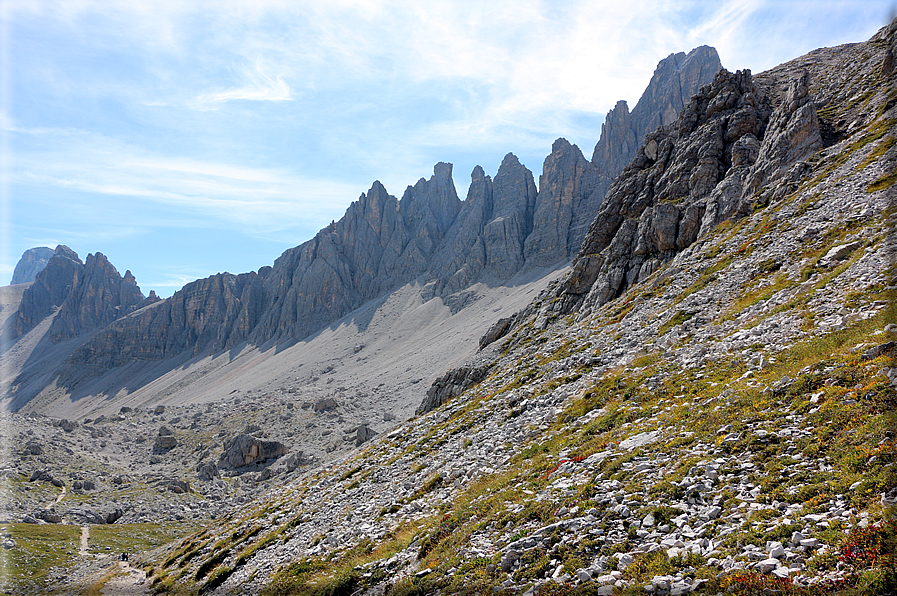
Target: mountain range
[444, 246]
[669, 369]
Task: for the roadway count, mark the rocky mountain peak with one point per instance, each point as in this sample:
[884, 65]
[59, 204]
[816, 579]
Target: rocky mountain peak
[32, 262]
[431, 206]
[675, 80]
[660, 104]
[85, 296]
[64, 251]
[513, 202]
[564, 206]
[443, 170]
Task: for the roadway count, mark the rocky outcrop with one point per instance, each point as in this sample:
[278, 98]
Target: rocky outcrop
[363, 434]
[497, 330]
[691, 175]
[244, 450]
[737, 144]
[677, 78]
[451, 384]
[33, 261]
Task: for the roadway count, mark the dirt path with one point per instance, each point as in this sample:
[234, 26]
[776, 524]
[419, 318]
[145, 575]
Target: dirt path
[58, 499]
[85, 536]
[128, 581]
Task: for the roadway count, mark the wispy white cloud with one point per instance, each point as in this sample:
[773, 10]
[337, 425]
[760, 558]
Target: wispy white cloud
[264, 116]
[526, 57]
[75, 235]
[265, 199]
[177, 281]
[260, 86]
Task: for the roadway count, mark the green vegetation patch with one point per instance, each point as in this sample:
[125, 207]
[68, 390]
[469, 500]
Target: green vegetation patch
[677, 319]
[38, 548]
[882, 182]
[119, 538]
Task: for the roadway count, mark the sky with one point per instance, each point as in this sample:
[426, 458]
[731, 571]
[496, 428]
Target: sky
[185, 138]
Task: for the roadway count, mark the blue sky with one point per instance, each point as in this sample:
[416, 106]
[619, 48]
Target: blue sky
[184, 138]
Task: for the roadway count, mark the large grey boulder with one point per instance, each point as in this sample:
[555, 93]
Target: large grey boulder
[166, 440]
[295, 460]
[207, 471]
[90, 516]
[86, 484]
[41, 475]
[48, 515]
[33, 448]
[177, 486]
[243, 450]
[364, 434]
[451, 384]
[325, 405]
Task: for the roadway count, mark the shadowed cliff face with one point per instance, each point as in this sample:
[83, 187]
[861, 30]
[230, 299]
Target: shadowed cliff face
[379, 245]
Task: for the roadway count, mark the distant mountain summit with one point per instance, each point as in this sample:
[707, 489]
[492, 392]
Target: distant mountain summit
[32, 262]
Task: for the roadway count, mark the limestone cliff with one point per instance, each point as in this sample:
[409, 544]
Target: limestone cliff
[568, 200]
[738, 145]
[688, 172]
